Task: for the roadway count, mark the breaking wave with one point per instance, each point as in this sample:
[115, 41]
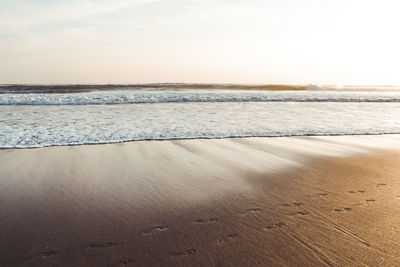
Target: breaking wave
[193, 96]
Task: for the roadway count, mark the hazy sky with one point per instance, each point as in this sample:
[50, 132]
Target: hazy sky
[249, 41]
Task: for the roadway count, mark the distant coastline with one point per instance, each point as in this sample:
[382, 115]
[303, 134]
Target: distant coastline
[84, 88]
[78, 88]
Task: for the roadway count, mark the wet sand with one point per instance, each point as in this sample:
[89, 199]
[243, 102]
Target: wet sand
[231, 202]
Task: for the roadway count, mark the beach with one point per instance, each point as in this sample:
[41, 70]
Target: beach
[199, 133]
[204, 202]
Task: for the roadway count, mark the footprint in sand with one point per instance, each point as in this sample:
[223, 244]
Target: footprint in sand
[185, 253]
[354, 192]
[304, 212]
[277, 225]
[228, 236]
[232, 235]
[126, 262]
[48, 253]
[297, 204]
[42, 255]
[104, 245]
[158, 228]
[252, 210]
[206, 221]
[380, 185]
[346, 209]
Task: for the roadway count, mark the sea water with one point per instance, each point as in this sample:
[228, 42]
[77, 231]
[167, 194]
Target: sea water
[36, 119]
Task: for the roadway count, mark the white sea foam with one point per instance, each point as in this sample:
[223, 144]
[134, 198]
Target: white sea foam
[139, 96]
[66, 124]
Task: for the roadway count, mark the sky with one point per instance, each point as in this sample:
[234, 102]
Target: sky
[209, 41]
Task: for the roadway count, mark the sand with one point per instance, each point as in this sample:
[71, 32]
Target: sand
[231, 202]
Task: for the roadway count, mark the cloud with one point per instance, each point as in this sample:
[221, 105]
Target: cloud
[17, 15]
[296, 40]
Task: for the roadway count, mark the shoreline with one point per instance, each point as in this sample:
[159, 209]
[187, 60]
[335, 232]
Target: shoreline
[389, 135]
[246, 201]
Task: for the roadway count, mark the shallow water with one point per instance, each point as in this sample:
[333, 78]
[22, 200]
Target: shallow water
[32, 124]
[184, 96]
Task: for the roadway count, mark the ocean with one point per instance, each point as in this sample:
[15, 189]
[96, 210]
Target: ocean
[38, 116]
